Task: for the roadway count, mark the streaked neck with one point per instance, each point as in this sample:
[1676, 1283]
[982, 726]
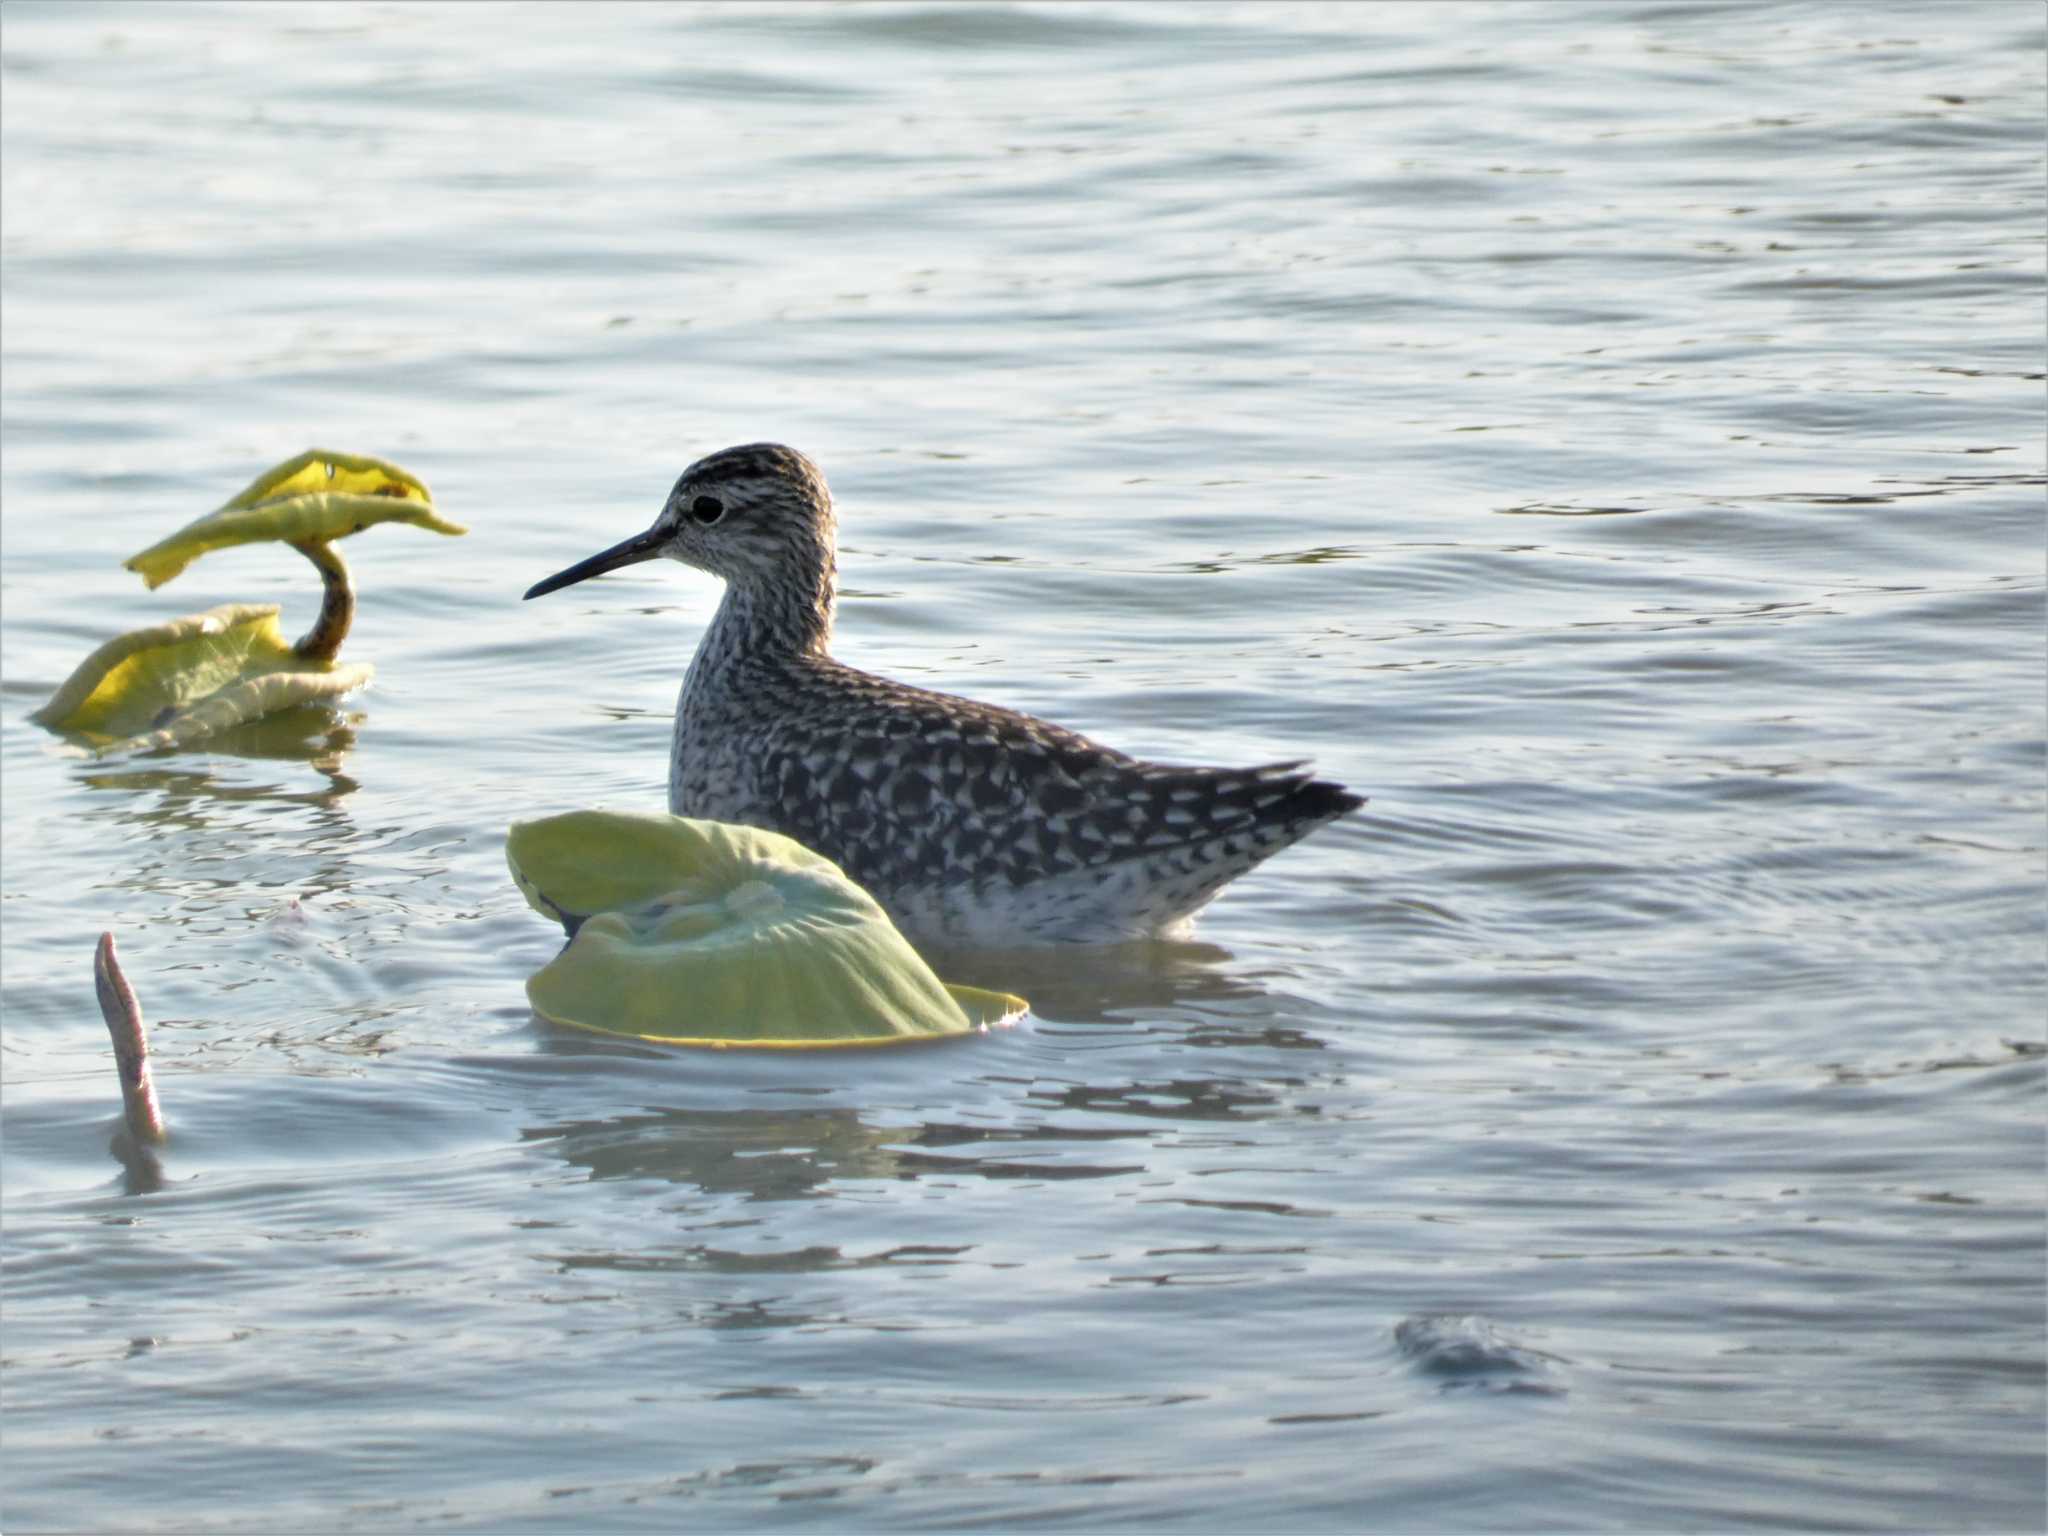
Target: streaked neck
[778, 621]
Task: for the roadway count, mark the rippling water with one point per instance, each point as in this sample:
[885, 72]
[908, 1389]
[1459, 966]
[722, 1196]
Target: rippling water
[1610, 436]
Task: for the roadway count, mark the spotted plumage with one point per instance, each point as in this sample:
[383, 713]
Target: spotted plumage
[971, 824]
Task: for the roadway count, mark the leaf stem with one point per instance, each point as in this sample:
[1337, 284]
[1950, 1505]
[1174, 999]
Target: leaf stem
[337, 602]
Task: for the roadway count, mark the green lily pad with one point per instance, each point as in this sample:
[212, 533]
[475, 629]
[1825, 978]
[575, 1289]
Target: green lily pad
[172, 683]
[701, 933]
[313, 498]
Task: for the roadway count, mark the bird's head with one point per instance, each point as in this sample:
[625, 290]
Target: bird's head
[758, 515]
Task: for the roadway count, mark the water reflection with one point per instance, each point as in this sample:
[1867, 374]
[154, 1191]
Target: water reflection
[763, 1154]
[186, 828]
[1110, 983]
[310, 734]
[1036, 1118]
[1027, 1127]
[788, 1154]
[1177, 1098]
[142, 1170]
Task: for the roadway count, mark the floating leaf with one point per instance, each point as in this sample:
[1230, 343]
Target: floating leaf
[172, 683]
[701, 933]
[311, 499]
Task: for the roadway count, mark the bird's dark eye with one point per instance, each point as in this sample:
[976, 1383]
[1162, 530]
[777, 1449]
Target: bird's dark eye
[707, 509]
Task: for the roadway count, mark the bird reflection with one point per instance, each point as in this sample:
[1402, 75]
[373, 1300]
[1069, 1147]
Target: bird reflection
[1102, 983]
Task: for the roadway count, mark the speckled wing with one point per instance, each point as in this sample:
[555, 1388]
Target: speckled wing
[906, 789]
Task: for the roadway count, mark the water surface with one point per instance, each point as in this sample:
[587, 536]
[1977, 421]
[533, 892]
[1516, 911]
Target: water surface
[1609, 436]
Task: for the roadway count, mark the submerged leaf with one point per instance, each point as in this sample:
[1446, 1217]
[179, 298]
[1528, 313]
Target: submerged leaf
[701, 933]
[315, 497]
[172, 683]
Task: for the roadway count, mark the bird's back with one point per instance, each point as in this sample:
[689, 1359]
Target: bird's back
[971, 823]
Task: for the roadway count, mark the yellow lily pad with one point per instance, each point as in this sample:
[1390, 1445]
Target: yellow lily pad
[169, 684]
[315, 497]
[702, 933]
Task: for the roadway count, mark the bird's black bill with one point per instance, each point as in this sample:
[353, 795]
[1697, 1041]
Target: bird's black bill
[642, 546]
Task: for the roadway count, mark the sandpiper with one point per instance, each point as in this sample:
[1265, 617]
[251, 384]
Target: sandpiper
[969, 823]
